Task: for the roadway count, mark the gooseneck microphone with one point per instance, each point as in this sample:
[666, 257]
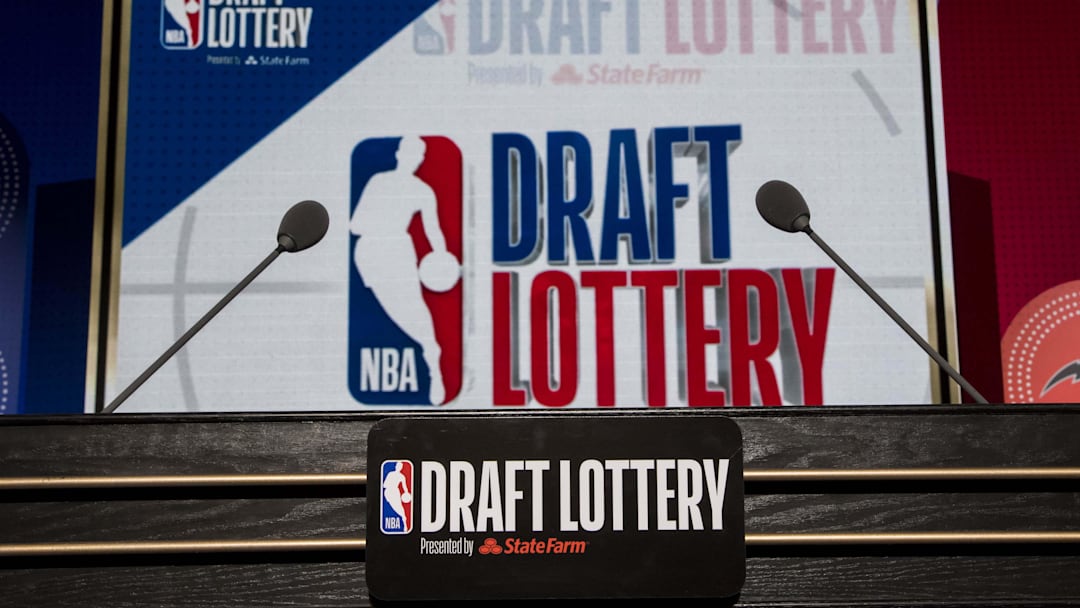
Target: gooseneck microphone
[782, 206]
[303, 225]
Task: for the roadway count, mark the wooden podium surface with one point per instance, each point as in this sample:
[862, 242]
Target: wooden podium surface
[998, 484]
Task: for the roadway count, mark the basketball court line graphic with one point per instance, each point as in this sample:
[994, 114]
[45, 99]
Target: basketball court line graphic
[180, 288]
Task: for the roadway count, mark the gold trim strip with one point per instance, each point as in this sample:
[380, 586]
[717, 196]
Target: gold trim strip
[100, 176]
[912, 538]
[107, 344]
[360, 544]
[178, 481]
[360, 479]
[180, 547]
[914, 474]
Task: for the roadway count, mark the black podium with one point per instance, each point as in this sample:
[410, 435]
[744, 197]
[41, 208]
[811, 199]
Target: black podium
[924, 505]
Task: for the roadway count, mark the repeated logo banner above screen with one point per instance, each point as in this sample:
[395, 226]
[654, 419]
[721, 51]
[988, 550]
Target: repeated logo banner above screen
[533, 204]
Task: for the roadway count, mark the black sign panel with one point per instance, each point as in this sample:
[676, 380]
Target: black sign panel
[546, 507]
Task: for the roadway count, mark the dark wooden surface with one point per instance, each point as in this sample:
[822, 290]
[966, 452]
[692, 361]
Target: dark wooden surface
[775, 438]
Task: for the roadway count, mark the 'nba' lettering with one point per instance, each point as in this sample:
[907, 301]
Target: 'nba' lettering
[388, 369]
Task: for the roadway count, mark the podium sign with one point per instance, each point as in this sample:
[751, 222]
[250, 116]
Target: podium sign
[548, 507]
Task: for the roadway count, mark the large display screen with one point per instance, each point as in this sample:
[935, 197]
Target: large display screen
[533, 203]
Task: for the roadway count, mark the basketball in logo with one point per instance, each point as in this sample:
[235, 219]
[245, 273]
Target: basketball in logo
[1040, 353]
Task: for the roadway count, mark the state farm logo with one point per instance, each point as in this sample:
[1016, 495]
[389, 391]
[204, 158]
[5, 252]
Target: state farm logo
[652, 73]
[490, 547]
[532, 546]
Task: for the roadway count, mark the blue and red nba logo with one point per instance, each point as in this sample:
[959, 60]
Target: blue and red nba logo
[181, 24]
[396, 514]
[405, 287]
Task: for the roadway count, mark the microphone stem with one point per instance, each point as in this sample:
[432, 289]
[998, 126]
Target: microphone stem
[955, 375]
[191, 332]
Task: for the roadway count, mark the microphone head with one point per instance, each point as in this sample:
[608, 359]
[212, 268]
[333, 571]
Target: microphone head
[304, 224]
[783, 206]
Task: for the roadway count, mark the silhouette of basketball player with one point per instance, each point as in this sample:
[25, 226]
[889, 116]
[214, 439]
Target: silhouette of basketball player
[385, 256]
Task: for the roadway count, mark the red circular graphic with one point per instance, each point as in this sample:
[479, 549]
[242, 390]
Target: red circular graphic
[1040, 353]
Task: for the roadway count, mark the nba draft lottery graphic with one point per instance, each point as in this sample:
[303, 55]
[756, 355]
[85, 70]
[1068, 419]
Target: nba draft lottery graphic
[545, 204]
[498, 507]
[226, 24]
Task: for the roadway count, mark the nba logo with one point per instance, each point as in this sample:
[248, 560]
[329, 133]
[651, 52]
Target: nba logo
[396, 515]
[181, 24]
[405, 287]
[436, 39]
